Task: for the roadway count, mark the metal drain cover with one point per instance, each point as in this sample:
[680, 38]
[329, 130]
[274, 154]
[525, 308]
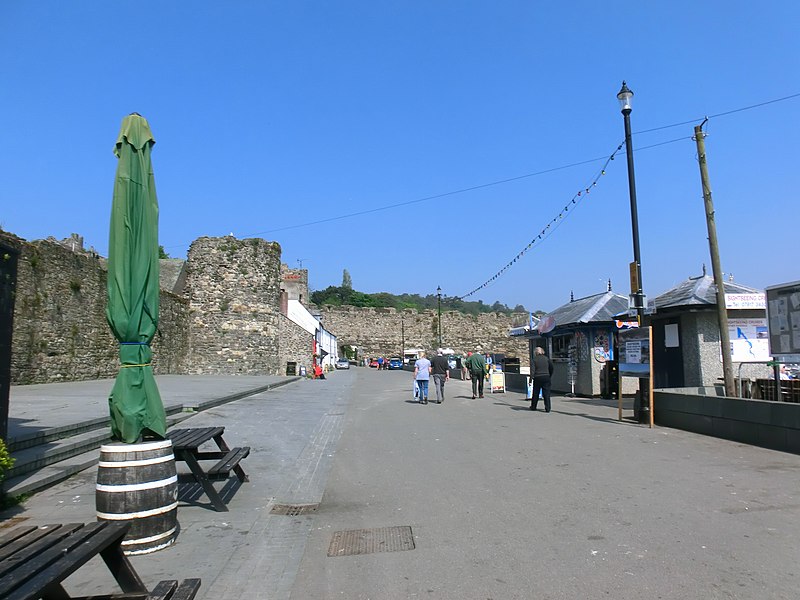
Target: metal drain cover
[366, 541]
[293, 510]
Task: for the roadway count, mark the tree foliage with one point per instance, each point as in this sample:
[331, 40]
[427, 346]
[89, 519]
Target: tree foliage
[347, 281]
[346, 296]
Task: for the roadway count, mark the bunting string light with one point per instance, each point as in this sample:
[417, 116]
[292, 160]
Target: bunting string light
[551, 226]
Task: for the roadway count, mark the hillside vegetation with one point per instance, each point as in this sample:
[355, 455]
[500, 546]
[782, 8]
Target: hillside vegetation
[346, 296]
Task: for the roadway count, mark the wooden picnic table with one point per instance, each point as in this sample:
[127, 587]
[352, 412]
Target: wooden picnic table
[186, 445]
[35, 560]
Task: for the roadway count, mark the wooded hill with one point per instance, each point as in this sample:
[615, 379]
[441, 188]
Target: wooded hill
[346, 296]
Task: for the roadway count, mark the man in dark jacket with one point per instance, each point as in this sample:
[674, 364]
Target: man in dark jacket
[477, 370]
[542, 372]
[441, 373]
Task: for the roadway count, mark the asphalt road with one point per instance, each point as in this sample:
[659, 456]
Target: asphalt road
[501, 502]
[508, 503]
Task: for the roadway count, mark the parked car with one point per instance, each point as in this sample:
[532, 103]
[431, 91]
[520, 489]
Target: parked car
[374, 363]
[395, 363]
[342, 363]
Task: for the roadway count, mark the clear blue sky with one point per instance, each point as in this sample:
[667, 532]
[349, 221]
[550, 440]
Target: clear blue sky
[271, 116]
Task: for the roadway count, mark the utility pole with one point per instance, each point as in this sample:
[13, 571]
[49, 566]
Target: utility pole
[716, 268]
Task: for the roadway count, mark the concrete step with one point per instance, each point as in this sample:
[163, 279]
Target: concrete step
[37, 438]
[43, 458]
[37, 467]
[42, 478]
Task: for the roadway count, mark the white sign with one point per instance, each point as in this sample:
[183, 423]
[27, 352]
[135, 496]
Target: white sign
[743, 301]
[633, 352]
[749, 340]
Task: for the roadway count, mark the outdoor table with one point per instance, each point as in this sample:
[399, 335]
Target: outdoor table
[186, 445]
[35, 560]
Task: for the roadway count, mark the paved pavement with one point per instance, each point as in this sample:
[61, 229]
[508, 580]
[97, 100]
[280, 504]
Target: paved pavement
[502, 502]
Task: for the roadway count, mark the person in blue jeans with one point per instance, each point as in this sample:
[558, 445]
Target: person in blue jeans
[422, 374]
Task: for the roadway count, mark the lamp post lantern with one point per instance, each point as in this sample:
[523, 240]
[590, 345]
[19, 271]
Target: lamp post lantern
[439, 319]
[637, 297]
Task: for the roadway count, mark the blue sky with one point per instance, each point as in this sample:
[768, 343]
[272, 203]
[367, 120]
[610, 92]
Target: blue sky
[346, 130]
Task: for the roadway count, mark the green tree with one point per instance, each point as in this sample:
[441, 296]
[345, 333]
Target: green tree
[162, 253]
[347, 281]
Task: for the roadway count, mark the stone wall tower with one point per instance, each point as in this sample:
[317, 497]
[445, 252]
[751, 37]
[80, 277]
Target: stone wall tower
[233, 287]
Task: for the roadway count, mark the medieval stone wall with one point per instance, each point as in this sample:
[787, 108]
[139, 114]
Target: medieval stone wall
[60, 329]
[233, 288]
[224, 319]
[381, 331]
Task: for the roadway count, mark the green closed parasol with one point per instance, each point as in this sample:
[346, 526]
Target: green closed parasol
[132, 311]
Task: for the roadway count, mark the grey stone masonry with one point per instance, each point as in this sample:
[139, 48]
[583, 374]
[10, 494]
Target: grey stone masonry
[381, 331]
[60, 328]
[233, 288]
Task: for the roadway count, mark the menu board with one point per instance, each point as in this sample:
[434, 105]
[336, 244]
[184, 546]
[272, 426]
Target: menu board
[783, 317]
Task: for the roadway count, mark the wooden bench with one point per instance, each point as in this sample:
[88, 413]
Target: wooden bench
[34, 561]
[172, 590]
[186, 445]
[229, 462]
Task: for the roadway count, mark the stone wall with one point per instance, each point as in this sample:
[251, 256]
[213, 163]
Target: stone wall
[60, 328]
[380, 331]
[224, 317]
[233, 287]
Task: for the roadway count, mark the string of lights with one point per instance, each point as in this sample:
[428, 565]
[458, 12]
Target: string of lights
[548, 229]
[551, 226]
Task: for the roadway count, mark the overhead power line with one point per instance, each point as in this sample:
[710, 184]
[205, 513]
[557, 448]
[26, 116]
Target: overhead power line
[511, 179]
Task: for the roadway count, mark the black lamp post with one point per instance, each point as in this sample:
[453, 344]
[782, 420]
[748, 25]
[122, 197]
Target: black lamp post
[439, 320]
[625, 96]
[402, 338]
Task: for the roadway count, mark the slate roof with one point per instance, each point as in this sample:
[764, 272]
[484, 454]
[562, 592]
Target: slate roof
[698, 291]
[592, 309]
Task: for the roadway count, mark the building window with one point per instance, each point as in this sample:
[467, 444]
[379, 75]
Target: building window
[561, 344]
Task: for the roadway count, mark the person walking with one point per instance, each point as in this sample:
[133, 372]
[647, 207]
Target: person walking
[422, 373]
[441, 374]
[542, 372]
[476, 365]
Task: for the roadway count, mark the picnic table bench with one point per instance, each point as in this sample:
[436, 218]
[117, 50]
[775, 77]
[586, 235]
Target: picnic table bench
[186, 445]
[34, 561]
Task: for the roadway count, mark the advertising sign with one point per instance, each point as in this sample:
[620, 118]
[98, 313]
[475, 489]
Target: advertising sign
[634, 352]
[745, 301]
[497, 382]
[749, 341]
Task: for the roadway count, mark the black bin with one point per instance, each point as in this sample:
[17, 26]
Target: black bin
[291, 368]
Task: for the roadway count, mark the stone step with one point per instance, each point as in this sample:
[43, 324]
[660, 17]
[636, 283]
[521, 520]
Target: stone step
[40, 479]
[62, 450]
[37, 438]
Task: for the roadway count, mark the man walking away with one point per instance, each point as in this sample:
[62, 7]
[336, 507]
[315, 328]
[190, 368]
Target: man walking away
[542, 372]
[422, 373]
[476, 365]
[441, 374]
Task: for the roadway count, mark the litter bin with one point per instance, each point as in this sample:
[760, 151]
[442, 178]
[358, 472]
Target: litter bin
[291, 368]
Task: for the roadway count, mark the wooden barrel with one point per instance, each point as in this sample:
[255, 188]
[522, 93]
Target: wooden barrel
[138, 483]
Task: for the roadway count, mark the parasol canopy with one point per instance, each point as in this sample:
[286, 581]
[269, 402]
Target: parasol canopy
[133, 287]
